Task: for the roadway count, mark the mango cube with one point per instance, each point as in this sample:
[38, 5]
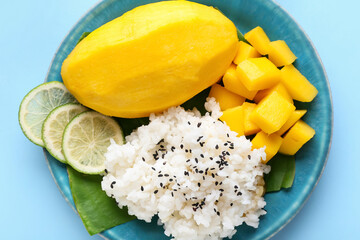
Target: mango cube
[245, 51]
[280, 88]
[259, 40]
[272, 143]
[295, 116]
[250, 128]
[272, 112]
[297, 85]
[258, 73]
[280, 53]
[297, 136]
[234, 118]
[225, 98]
[233, 84]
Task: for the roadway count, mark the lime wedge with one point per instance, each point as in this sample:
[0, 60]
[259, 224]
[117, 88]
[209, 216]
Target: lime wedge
[54, 126]
[86, 139]
[37, 104]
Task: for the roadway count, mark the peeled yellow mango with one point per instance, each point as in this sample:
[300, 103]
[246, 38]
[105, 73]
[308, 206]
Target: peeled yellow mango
[155, 56]
[258, 73]
[234, 84]
[245, 51]
[280, 88]
[280, 53]
[250, 127]
[272, 143]
[225, 98]
[297, 85]
[272, 112]
[234, 118]
[259, 40]
[297, 136]
[294, 117]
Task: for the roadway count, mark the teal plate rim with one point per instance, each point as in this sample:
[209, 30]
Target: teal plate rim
[57, 168]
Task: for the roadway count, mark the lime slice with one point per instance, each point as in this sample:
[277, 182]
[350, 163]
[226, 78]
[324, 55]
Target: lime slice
[54, 126]
[37, 104]
[86, 139]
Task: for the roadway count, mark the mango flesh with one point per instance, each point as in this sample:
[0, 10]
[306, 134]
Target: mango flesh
[225, 98]
[297, 136]
[272, 143]
[295, 116]
[272, 112]
[245, 51]
[234, 84]
[151, 58]
[258, 73]
[297, 85]
[234, 118]
[250, 127]
[259, 40]
[280, 53]
[280, 88]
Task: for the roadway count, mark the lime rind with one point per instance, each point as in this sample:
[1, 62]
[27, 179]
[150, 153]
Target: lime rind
[54, 125]
[37, 104]
[86, 139]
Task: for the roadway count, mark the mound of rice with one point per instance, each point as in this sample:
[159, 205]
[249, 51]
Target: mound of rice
[192, 171]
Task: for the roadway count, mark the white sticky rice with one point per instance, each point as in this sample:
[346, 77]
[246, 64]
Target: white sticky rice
[192, 171]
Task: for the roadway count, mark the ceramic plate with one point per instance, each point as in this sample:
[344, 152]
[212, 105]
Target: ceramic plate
[310, 161]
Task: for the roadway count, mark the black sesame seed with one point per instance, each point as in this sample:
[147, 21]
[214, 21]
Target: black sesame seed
[189, 123]
[211, 158]
[142, 188]
[239, 193]
[203, 177]
[218, 213]
[162, 156]
[143, 159]
[231, 204]
[166, 175]
[215, 210]
[221, 194]
[212, 168]
[202, 144]
[217, 146]
[202, 155]
[196, 160]
[153, 168]
[164, 163]
[172, 148]
[236, 187]
[213, 175]
[161, 146]
[199, 138]
[161, 184]
[196, 170]
[162, 140]
[201, 171]
[172, 194]
[221, 190]
[199, 124]
[112, 184]
[227, 135]
[225, 144]
[106, 171]
[249, 157]
[199, 184]
[216, 183]
[181, 146]
[186, 150]
[221, 168]
[170, 180]
[160, 175]
[156, 191]
[188, 160]
[190, 151]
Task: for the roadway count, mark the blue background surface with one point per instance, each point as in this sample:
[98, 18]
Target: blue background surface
[31, 207]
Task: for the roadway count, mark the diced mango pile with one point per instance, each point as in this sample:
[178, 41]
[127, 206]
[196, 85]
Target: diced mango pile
[258, 93]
